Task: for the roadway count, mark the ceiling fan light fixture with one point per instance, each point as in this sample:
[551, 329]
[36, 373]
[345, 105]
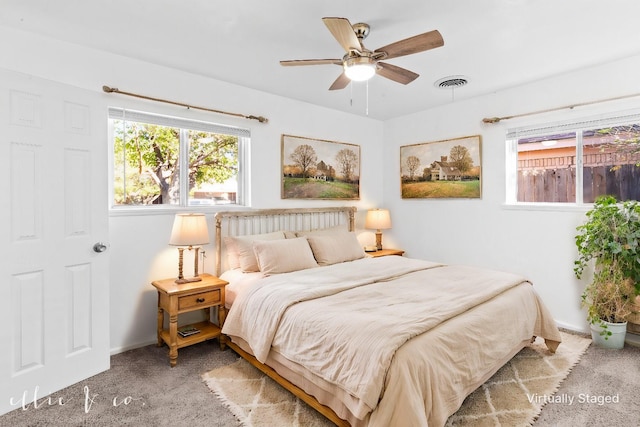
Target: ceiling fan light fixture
[359, 69]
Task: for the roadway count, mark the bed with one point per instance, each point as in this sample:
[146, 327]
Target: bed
[387, 341]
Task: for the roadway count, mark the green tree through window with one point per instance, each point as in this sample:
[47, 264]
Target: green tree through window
[148, 160]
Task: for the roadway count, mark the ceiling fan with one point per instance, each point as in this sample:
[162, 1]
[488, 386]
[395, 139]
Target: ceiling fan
[360, 63]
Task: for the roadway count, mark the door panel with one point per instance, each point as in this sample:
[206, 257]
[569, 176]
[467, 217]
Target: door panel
[54, 288]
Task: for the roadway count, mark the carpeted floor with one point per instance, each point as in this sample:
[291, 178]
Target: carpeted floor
[157, 394]
[601, 375]
[141, 389]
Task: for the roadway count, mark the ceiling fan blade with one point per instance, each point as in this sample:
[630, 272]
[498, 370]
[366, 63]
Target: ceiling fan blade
[295, 62]
[343, 32]
[395, 73]
[415, 44]
[341, 82]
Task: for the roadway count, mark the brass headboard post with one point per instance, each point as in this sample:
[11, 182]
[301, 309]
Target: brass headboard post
[218, 244]
[352, 219]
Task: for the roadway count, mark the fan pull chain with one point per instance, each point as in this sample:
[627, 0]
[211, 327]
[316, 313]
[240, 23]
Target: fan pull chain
[351, 94]
[366, 111]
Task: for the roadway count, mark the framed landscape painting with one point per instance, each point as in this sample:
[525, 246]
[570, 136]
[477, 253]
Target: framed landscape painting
[319, 169]
[442, 169]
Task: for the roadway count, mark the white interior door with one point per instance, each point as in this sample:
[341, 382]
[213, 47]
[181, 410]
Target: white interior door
[53, 285]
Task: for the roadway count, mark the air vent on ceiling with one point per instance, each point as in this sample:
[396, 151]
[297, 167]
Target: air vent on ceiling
[451, 82]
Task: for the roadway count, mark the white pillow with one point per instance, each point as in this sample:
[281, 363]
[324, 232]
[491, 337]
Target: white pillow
[283, 256]
[334, 248]
[240, 250]
[289, 234]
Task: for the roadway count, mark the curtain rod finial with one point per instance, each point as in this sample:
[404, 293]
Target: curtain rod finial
[109, 89]
[258, 118]
[491, 120]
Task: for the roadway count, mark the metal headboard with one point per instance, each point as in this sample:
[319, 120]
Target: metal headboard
[259, 221]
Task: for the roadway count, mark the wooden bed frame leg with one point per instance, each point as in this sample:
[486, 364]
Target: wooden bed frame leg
[552, 345]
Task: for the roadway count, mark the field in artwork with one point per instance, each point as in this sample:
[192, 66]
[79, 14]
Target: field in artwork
[307, 188]
[441, 189]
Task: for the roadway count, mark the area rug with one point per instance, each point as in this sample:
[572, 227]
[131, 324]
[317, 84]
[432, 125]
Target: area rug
[514, 396]
[258, 401]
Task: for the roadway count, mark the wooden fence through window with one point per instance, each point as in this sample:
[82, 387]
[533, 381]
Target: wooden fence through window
[554, 180]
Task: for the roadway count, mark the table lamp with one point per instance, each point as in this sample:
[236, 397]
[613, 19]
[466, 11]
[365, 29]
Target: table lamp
[189, 231]
[378, 219]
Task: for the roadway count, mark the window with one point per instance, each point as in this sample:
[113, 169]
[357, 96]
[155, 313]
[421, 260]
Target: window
[169, 161]
[575, 162]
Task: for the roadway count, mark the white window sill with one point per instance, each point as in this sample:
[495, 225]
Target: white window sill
[149, 211]
[552, 207]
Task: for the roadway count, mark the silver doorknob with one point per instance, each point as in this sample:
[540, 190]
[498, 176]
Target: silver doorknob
[99, 247]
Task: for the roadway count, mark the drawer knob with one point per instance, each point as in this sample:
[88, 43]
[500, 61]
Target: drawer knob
[200, 299]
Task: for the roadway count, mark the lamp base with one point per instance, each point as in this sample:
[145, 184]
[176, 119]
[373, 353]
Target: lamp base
[379, 240]
[189, 280]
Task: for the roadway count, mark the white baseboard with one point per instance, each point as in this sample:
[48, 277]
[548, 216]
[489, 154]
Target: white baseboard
[118, 350]
[583, 329]
[632, 339]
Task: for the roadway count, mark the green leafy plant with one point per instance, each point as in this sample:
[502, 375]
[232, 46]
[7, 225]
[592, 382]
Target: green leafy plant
[608, 240]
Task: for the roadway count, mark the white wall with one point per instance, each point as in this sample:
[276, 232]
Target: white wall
[536, 243]
[138, 244]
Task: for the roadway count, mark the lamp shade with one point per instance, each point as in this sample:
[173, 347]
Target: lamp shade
[378, 219]
[189, 229]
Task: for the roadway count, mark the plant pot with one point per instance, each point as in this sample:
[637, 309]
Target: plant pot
[615, 340]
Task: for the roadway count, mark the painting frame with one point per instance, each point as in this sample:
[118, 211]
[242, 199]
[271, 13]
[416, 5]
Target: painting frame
[319, 169]
[444, 169]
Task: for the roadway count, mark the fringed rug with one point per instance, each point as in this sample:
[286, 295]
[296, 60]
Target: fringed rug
[514, 396]
[258, 401]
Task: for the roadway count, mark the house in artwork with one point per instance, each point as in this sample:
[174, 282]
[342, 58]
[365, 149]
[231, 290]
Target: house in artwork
[442, 170]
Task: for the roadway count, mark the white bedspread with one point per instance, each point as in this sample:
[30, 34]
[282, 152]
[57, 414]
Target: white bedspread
[345, 322]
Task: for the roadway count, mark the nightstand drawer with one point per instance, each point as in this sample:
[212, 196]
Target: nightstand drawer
[204, 299]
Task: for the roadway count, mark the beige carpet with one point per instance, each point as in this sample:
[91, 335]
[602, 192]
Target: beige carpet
[514, 396]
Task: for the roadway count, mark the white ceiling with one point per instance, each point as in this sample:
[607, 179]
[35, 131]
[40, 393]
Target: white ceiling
[495, 44]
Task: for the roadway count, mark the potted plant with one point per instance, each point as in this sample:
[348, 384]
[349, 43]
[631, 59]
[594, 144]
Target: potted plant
[609, 238]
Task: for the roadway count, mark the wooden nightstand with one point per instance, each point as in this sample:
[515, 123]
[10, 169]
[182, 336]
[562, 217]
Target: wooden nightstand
[385, 252]
[176, 299]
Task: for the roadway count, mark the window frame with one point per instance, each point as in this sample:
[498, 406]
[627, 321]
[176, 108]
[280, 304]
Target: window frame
[577, 125]
[184, 124]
